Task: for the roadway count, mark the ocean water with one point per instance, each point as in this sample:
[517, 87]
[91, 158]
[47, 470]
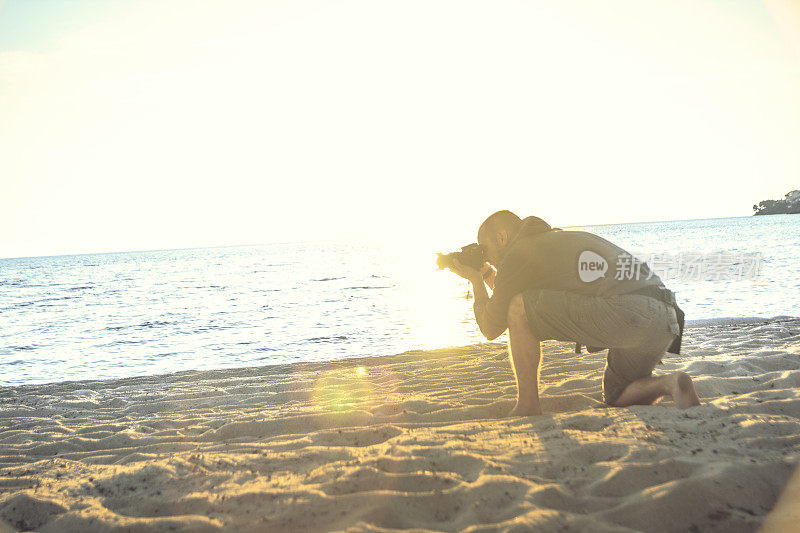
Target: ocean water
[142, 313]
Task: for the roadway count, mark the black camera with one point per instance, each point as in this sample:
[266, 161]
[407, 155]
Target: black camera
[472, 255]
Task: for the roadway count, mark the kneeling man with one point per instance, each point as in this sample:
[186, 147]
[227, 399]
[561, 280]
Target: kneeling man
[563, 285]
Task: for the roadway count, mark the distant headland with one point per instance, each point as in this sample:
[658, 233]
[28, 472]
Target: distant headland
[788, 206]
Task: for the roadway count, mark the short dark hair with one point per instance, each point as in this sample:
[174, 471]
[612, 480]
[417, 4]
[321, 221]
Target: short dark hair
[500, 220]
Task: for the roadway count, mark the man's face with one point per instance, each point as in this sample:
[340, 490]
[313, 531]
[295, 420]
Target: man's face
[493, 249]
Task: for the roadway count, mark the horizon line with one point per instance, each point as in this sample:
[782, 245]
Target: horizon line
[328, 240]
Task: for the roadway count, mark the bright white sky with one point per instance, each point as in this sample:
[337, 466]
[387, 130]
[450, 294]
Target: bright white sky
[142, 125]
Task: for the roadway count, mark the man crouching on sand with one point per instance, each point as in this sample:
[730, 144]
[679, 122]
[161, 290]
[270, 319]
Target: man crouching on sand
[576, 286]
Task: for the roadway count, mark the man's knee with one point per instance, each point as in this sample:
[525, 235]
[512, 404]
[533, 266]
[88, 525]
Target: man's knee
[516, 312]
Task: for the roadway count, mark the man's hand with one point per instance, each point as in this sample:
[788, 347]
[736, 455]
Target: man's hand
[466, 272]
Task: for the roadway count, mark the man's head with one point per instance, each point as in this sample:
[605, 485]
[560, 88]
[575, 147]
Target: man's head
[495, 233]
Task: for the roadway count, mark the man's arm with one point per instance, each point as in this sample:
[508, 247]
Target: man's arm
[490, 329]
[481, 298]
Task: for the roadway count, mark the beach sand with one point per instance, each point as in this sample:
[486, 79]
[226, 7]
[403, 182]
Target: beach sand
[417, 440]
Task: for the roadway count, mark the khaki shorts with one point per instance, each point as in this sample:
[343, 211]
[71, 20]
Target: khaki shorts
[636, 329]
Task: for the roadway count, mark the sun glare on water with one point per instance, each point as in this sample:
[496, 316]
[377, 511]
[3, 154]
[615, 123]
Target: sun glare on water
[433, 302]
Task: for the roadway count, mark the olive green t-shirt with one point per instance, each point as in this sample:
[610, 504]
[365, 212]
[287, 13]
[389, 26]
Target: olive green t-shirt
[541, 257]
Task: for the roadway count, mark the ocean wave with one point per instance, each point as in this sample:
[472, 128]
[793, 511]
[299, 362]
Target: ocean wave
[116, 342]
[57, 299]
[81, 287]
[365, 287]
[20, 304]
[327, 338]
[328, 279]
[144, 325]
[155, 323]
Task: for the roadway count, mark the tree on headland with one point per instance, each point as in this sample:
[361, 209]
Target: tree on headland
[788, 206]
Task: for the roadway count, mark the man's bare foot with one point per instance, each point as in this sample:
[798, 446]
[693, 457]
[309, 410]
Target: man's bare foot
[525, 410]
[683, 393]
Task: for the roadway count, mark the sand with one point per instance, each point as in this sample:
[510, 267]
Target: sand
[417, 440]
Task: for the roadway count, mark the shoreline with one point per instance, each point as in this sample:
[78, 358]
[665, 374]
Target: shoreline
[413, 440]
[690, 324]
